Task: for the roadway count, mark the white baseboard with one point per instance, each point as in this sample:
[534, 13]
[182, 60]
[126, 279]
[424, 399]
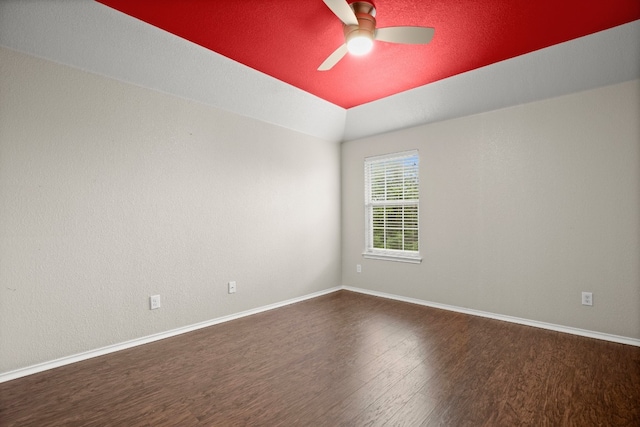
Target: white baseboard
[511, 319]
[29, 370]
[23, 372]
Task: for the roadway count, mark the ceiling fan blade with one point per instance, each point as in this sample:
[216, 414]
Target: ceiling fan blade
[407, 35]
[342, 10]
[333, 59]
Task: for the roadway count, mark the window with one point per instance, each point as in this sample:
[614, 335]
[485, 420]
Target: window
[391, 206]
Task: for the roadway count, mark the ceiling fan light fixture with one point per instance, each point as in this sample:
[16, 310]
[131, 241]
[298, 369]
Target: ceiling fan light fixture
[360, 37]
[359, 26]
[360, 45]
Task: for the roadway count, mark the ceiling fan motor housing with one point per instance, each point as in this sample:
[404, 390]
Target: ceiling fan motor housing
[365, 13]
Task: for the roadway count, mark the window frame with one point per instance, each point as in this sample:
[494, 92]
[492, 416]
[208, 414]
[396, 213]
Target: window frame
[392, 159]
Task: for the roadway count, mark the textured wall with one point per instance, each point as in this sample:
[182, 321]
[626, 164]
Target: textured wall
[90, 36]
[521, 210]
[110, 193]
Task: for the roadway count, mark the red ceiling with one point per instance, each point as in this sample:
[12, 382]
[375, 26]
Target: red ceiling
[289, 39]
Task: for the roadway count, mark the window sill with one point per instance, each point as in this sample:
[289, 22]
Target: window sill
[392, 257]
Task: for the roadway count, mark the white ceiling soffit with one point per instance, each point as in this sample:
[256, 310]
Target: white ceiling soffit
[93, 37]
[90, 36]
[600, 59]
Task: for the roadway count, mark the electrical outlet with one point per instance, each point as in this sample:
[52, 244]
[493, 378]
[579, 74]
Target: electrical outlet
[587, 298]
[232, 287]
[358, 268]
[154, 302]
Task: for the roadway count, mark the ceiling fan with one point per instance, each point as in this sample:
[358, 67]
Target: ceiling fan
[360, 31]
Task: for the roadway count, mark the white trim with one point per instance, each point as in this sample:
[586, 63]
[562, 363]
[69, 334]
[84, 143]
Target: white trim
[536, 324]
[392, 257]
[29, 370]
[393, 156]
[40, 367]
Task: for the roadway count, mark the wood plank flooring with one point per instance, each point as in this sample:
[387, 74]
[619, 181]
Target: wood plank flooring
[342, 359]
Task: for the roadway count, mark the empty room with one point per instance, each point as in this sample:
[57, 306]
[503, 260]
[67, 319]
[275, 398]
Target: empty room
[319, 213]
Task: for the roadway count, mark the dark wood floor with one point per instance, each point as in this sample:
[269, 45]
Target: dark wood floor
[342, 359]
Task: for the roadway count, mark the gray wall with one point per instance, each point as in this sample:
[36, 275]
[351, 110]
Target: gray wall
[521, 209]
[110, 193]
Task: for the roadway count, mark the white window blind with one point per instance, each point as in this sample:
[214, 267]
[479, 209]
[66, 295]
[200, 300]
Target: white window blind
[391, 205]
